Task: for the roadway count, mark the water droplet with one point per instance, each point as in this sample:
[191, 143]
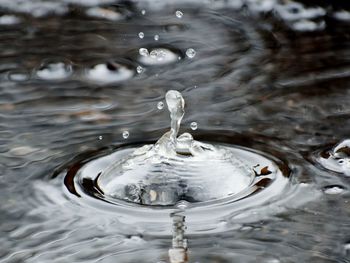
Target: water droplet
[333, 189]
[125, 134]
[156, 37]
[144, 52]
[190, 53]
[160, 105]
[140, 69]
[179, 14]
[100, 137]
[143, 12]
[141, 35]
[194, 126]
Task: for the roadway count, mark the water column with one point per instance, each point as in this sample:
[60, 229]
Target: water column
[178, 252]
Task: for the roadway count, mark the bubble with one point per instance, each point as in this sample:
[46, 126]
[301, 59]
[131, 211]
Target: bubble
[54, 71]
[18, 76]
[190, 53]
[141, 35]
[110, 72]
[160, 105]
[144, 52]
[347, 248]
[194, 126]
[333, 189]
[140, 69]
[308, 25]
[125, 134]
[342, 15]
[157, 56]
[156, 37]
[182, 205]
[104, 13]
[9, 20]
[179, 14]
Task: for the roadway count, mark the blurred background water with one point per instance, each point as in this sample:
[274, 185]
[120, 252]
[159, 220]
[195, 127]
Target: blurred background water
[272, 75]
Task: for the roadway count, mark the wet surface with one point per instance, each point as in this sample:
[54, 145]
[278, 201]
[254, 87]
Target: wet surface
[268, 76]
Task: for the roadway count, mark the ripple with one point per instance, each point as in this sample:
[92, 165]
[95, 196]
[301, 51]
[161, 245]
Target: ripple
[336, 159]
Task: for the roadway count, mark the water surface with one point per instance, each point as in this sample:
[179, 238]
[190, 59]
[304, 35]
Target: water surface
[272, 76]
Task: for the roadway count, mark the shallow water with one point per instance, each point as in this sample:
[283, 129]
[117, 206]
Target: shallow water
[265, 76]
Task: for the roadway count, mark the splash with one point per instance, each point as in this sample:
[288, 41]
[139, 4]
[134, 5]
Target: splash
[176, 168]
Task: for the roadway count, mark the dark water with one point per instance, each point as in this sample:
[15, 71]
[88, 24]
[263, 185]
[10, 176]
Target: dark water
[268, 75]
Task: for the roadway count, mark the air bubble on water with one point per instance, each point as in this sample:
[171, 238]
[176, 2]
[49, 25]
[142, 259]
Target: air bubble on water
[190, 53]
[18, 76]
[125, 134]
[9, 20]
[156, 37]
[104, 13]
[143, 12]
[182, 205]
[294, 11]
[157, 56]
[110, 72]
[347, 249]
[160, 105]
[308, 25]
[140, 69]
[342, 15]
[141, 35]
[179, 14]
[144, 52]
[194, 126]
[333, 189]
[54, 71]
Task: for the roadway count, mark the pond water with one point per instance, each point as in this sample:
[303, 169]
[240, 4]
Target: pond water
[83, 83]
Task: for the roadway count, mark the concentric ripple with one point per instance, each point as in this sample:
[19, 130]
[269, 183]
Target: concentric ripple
[178, 173]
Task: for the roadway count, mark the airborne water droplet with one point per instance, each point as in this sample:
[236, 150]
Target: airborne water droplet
[179, 14]
[100, 138]
[141, 35]
[143, 12]
[140, 69]
[190, 53]
[125, 134]
[194, 126]
[160, 105]
[144, 52]
[156, 37]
